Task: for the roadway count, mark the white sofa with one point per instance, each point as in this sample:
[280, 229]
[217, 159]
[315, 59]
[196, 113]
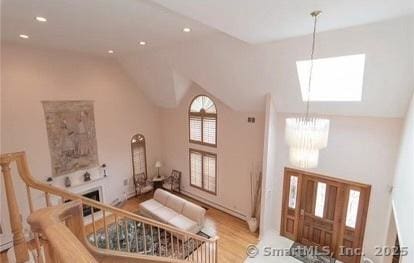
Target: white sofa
[173, 210]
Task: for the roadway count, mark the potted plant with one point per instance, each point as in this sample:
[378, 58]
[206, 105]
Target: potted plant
[255, 194]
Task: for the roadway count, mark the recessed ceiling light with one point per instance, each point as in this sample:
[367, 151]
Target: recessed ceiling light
[110, 51]
[41, 19]
[24, 36]
[186, 29]
[142, 43]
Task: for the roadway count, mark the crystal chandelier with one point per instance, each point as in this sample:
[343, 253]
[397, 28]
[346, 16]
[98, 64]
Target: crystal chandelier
[307, 135]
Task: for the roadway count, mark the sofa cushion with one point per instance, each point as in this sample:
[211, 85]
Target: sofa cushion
[164, 213]
[184, 223]
[161, 196]
[194, 212]
[150, 205]
[175, 203]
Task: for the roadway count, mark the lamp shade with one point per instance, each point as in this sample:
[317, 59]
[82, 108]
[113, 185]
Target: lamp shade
[158, 164]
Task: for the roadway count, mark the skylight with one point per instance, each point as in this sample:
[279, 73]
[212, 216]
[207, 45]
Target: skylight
[333, 79]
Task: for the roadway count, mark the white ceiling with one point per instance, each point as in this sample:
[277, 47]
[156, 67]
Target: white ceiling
[258, 21]
[238, 72]
[96, 26]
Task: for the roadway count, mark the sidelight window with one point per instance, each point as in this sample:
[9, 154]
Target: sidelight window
[293, 191]
[352, 210]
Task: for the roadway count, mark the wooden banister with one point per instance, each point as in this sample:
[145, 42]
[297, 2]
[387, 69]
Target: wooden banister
[50, 222]
[73, 216]
[20, 246]
[25, 174]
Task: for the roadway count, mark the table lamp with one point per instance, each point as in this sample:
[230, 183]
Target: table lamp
[158, 166]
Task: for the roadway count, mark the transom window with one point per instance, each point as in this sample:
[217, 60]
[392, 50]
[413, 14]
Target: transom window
[203, 170]
[203, 121]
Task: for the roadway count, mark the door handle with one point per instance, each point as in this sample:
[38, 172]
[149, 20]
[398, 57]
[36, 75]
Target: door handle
[302, 212]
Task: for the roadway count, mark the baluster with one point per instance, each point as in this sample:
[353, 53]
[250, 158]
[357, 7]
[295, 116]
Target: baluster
[159, 242]
[205, 251]
[178, 246]
[216, 249]
[210, 256]
[136, 236]
[117, 233]
[172, 245]
[183, 246]
[94, 226]
[165, 243]
[38, 248]
[201, 252]
[152, 240]
[29, 198]
[126, 235]
[106, 229]
[145, 239]
[192, 249]
[20, 246]
[207, 244]
[197, 249]
[47, 197]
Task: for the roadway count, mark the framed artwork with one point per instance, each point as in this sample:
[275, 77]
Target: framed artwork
[71, 135]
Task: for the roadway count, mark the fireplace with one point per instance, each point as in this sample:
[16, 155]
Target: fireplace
[94, 195]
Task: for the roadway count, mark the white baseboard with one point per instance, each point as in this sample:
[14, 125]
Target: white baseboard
[215, 205]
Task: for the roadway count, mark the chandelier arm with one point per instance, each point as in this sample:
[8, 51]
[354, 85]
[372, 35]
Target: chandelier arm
[315, 16]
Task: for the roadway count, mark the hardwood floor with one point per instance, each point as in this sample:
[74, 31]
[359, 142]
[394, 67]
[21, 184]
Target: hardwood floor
[233, 232]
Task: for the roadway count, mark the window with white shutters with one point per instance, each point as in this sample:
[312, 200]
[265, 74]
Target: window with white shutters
[195, 128]
[196, 171]
[203, 170]
[203, 121]
[209, 130]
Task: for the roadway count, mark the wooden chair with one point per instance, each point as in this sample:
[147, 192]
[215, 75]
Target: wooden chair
[142, 184]
[173, 182]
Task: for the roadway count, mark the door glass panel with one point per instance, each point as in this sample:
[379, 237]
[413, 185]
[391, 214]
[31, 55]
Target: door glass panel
[320, 199]
[352, 210]
[293, 191]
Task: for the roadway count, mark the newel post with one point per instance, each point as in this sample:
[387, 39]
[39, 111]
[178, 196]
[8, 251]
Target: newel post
[20, 246]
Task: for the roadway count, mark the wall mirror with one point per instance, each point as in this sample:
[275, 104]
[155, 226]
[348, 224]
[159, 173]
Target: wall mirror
[139, 156]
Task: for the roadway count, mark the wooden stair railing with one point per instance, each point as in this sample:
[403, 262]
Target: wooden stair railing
[136, 237]
[59, 225]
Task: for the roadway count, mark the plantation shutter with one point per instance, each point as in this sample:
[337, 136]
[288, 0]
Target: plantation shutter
[209, 170]
[195, 128]
[209, 130]
[196, 168]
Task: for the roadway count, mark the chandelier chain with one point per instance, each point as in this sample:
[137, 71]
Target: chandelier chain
[315, 16]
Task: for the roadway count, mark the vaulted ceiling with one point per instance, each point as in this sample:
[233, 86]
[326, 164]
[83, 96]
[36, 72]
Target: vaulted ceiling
[238, 50]
[261, 21]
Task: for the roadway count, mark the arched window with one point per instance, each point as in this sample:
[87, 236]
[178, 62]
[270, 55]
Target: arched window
[203, 121]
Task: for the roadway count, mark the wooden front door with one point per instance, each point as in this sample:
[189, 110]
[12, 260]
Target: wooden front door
[325, 212]
[320, 211]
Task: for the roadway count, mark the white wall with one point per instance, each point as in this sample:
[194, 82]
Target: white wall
[403, 193]
[30, 75]
[362, 150]
[270, 155]
[239, 152]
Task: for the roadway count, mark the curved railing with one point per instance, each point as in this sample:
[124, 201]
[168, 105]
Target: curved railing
[113, 232]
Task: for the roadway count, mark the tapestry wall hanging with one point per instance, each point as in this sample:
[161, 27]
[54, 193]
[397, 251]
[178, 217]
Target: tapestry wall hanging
[71, 134]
